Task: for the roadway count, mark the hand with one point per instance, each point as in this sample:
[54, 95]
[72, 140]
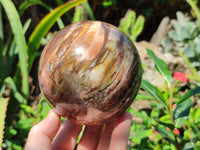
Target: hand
[48, 134]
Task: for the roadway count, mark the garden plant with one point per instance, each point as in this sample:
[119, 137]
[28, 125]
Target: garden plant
[173, 118]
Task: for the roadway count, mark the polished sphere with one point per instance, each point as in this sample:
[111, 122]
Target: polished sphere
[90, 72]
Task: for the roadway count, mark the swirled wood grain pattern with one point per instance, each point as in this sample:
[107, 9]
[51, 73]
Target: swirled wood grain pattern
[90, 71]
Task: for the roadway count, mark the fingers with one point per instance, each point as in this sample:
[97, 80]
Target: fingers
[67, 136]
[106, 136]
[90, 138]
[113, 136]
[41, 135]
[119, 138]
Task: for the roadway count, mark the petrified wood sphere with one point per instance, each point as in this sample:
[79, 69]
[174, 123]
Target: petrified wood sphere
[90, 72]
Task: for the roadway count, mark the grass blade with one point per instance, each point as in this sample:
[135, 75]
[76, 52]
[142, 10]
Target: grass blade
[3, 108]
[25, 5]
[88, 10]
[1, 28]
[29, 3]
[1, 42]
[67, 14]
[17, 30]
[43, 27]
[78, 14]
[16, 94]
[194, 6]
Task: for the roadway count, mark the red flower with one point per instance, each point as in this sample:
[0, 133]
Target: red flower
[180, 76]
[176, 131]
[155, 132]
[168, 129]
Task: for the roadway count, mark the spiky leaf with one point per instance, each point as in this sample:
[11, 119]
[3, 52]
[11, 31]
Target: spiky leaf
[3, 108]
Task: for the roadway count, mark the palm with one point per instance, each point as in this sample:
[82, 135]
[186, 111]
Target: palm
[112, 136]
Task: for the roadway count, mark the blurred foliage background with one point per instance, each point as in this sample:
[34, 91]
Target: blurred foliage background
[25, 28]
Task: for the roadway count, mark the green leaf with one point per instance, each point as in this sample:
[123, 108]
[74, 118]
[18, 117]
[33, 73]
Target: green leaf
[107, 3]
[163, 123]
[189, 146]
[10, 132]
[78, 14]
[28, 109]
[29, 3]
[182, 110]
[143, 96]
[161, 67]
[153, 91]
[1, 42]
[165, 118]
[195, 130]
[197, 145]
[88, 10]
[141, 134]
[3, 108]
[195, 8]
[142, 114]
[25, 123]
[168, 135]
[16, 94]
[189, 94]
[19, 37]
[25, 5]
[196, 114]
[180, 121]
[1, 28]
[43, 27]
[26, 25]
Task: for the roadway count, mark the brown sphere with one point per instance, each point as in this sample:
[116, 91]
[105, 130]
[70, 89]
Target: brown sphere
[90, 72]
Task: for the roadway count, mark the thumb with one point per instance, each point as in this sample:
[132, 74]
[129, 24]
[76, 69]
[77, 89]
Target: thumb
[41, 135]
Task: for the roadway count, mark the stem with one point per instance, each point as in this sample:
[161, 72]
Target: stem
[171, 103]
[196, 78]
[178, 145]
[171, 114]
[188, 63]
[196, 10]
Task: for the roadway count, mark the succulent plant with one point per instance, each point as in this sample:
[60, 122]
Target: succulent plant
[131, 25]
[90, 72]
[184, 38]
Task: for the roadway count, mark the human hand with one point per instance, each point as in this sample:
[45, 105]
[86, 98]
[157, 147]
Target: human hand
[48, 134]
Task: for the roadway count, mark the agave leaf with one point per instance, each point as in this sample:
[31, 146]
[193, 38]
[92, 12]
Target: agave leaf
[3, 108]
[43, 27]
